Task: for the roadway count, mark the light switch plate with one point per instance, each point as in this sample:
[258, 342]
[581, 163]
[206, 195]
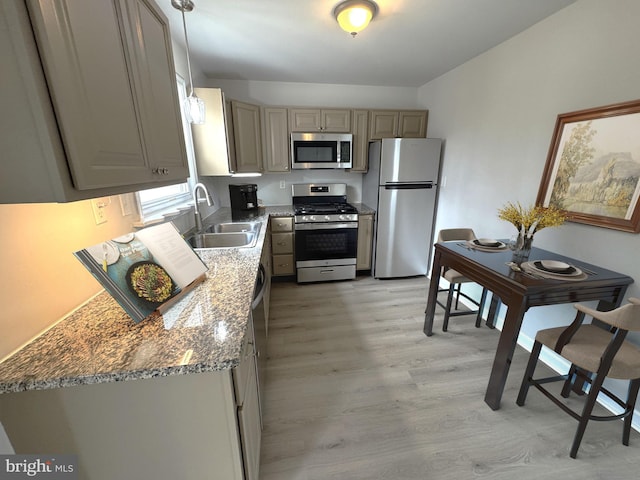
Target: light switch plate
[99, 210]
[126, 204]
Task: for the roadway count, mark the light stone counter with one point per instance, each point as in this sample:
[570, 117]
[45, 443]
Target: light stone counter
[100, 343]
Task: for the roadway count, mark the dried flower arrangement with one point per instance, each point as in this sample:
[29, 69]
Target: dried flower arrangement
[531, 219]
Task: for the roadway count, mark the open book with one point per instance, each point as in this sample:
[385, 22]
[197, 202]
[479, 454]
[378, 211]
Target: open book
[145, 271]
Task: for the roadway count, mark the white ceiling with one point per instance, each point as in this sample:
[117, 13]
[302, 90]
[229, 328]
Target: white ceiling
[409, 43]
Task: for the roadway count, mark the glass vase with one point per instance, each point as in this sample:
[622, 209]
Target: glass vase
[521, 248]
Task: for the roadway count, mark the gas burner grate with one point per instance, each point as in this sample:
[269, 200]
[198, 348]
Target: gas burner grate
[325, 208]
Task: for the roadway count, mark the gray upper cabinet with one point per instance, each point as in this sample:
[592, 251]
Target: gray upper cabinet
[247, 136]
[230, 140]
[395, 124]
[323, 120]
[97, 98]
[275, 135]
[360, 130]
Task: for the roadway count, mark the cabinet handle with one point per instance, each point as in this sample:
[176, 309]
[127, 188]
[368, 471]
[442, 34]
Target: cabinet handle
[160, 171]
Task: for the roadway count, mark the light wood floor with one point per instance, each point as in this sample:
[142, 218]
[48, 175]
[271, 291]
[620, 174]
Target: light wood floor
[355, 390]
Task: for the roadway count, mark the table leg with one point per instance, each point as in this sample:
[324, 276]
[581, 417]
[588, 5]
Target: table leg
[493, 311]
[430, 311]
[504, 353]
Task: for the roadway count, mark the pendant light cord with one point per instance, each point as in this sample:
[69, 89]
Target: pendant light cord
[186, 41]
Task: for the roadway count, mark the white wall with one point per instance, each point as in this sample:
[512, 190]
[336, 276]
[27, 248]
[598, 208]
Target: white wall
[269, 190]
[497, 113]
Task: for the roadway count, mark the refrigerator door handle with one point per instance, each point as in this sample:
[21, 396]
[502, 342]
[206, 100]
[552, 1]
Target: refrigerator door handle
[408, 186]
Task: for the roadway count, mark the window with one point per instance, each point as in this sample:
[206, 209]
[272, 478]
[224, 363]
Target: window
[156, 201]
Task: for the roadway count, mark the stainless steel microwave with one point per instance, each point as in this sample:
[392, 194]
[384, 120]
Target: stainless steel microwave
[321, 150]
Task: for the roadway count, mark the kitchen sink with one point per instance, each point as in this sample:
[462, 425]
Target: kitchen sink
[233, 227]
[223, 240]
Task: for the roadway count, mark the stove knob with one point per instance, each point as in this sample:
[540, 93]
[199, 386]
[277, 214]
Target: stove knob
[312, 218]
[327, 217]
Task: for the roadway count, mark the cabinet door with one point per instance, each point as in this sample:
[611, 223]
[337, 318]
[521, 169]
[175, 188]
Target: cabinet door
[360, 130]
[383, 124]
[412, 124]
[87, 70]
[365, 238]
[247, 137]
[155, 81]
[281, 224]
[305, 119]
[337, 121]
[276, 139]
[281, 243]
[250, 429]
[283, 265]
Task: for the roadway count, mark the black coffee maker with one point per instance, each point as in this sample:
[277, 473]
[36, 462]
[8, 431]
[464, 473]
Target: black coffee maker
[244, 197]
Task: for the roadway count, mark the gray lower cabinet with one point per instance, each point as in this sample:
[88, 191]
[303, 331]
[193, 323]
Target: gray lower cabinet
[191, 427]
[247, 395]
[181, 426]
[89, 100]
[282, 246]
[365, 241]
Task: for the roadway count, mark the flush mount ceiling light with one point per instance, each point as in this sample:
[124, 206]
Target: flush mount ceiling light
[353, 16]
[194, 106]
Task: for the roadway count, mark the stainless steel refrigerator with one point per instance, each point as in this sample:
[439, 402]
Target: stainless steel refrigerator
[402, 185]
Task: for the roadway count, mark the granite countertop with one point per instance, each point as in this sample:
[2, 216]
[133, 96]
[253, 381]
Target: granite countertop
[364, 209]
[100, 343]
[204, 331]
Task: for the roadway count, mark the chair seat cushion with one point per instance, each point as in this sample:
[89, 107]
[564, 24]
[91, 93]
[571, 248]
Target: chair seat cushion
[453, 276]
[588, 345]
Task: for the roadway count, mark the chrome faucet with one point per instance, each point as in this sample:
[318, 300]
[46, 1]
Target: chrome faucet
[196, 199]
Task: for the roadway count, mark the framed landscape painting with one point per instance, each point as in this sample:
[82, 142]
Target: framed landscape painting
[593, 167]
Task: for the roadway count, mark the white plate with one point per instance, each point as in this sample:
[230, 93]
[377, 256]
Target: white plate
[574, 272]
[487, 243]
[125, 238]
[554, 265]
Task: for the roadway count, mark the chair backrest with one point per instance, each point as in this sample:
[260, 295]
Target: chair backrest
[453, 234]
[626, 317]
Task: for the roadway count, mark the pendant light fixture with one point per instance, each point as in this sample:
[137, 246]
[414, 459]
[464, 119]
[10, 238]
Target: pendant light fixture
[353, 16]
[194, 106]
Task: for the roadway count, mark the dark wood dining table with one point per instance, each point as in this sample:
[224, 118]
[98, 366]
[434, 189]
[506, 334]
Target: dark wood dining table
[519, 291]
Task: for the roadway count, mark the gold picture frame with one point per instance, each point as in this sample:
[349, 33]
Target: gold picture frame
[593, 167]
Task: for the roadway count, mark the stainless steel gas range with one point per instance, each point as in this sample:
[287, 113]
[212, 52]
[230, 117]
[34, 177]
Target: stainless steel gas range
[326, 232]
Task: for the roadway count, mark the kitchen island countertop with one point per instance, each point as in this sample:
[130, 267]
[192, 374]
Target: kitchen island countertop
[99, 342]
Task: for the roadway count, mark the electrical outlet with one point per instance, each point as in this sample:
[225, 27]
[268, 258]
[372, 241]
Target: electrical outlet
[282, 185]
[99, 211]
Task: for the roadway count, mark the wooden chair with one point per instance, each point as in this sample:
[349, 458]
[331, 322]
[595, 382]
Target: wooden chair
[456, 279]
[595, 353]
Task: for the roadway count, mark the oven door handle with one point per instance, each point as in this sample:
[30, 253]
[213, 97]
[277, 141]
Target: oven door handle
[325, 226]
